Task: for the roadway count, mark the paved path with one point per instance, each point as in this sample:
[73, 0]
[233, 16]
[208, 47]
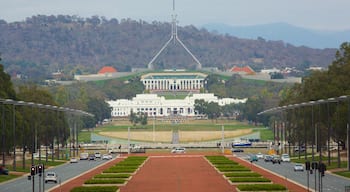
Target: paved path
[182, 173]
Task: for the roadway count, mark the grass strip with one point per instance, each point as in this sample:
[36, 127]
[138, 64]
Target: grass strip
[248, 179]
[242, 174]
[261, 187]
[112, 176]
[105, 181]
[95, 189]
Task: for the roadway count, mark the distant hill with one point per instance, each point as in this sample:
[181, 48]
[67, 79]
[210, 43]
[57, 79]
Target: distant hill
[43, 44]
[288, 33]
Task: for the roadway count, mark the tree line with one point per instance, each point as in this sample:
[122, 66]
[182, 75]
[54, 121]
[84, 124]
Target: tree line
[327, 119]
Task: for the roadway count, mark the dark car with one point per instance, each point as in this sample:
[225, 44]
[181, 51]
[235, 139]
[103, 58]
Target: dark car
[3, 171]
[92, 157]
[268, 158]
[276, 159]
[236, 150]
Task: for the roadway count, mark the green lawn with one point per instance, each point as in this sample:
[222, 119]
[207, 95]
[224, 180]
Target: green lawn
[4, 178]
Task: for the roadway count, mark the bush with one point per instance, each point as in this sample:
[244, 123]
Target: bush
[242, 174]
[261, 187]
[105, 181]
[112, 176]
[95, 189]
[248, 179]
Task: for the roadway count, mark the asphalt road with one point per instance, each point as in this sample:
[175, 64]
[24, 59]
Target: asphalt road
[64, 173]
[330, 182]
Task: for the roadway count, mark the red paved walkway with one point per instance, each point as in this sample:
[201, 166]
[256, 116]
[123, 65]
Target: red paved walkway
[177, 174]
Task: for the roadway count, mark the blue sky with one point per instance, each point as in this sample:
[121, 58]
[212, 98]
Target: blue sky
[312, 14]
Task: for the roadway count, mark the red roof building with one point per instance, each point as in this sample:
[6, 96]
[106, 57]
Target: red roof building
[246, 70]
[107, 69]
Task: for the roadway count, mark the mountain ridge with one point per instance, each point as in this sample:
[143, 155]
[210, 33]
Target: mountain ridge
[297, 36]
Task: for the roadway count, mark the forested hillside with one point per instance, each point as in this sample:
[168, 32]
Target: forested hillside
[42, 44]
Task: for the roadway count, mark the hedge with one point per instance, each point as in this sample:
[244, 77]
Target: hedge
[112, 175]
[242, 174]
[105, 181]
[261, 187]
[249, 179]
[95, 189]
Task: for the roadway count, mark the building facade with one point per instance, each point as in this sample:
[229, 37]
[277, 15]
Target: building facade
[164, 82]
[158, 106]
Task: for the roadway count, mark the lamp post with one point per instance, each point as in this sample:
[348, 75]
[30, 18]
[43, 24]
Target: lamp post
[347, 98]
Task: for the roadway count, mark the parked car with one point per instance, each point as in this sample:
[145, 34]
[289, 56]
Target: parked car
[97, 155]
[237, 150]
[276, 159]
[3, 171]
[51, 176]
[260, 155]
[178, 150]
[106, 157]
[285, 157]
[268, 158]
[299, 148]
[298, 167]
[73, 160]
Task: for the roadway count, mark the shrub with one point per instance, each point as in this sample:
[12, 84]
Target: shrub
[242, 174]
[248, 179]
[261, 187]
[95, 189]
[105, 181]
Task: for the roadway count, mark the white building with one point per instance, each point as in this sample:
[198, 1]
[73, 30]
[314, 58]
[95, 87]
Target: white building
[174, 81]
[155, 105]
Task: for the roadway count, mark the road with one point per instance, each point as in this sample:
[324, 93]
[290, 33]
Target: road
[64, 172]
[330, 182]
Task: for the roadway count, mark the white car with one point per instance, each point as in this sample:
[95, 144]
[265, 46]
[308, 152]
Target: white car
[51, 176]
[106, 157]
[285, 158]
[260, 155]
[73, 160]
[97, 155]
[179, 150]
[298, 167]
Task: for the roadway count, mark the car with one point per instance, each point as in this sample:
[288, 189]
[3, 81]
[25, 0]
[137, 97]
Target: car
[97, 155]
[84, 156]
[252, 158]
[73, 160]
[178, 150]
[276, 159]
[51, 176]
[91, 157]
[299, 148]
[106, 157]
[237, 150]
[298, 167]
[268, 158]
[285, 157]
[3, 171]
[260, 155]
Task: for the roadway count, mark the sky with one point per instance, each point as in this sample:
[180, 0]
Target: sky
[332, 15]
